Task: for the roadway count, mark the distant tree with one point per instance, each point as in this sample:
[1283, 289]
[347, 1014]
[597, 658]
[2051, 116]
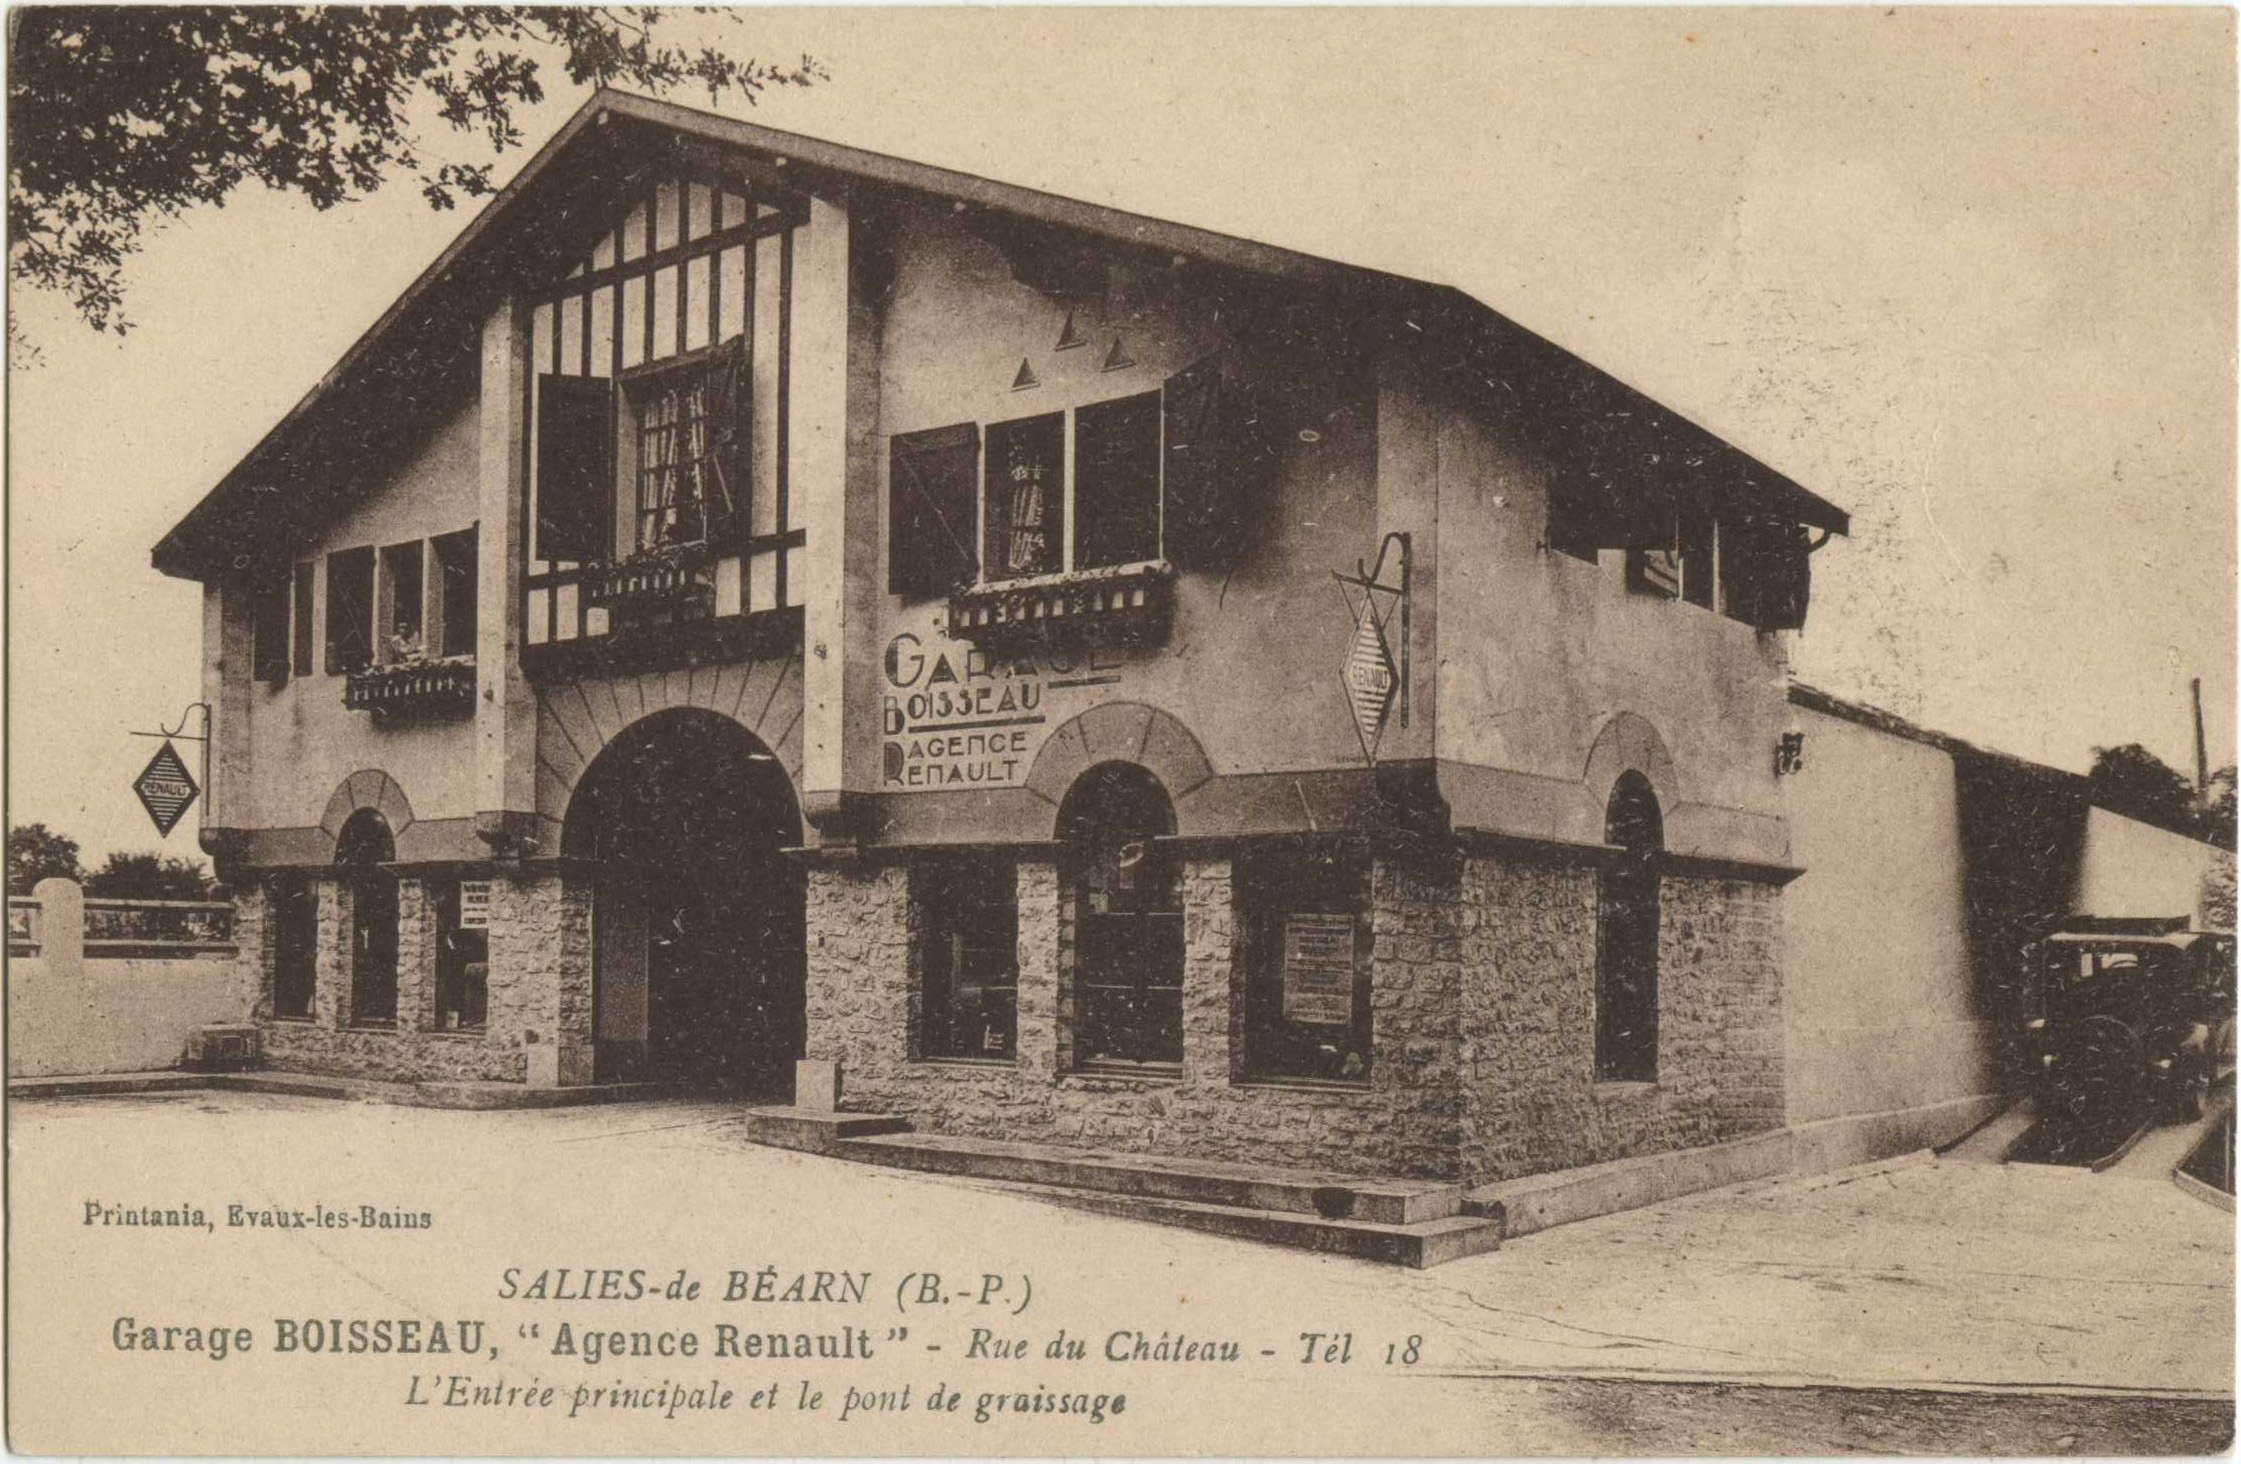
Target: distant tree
[122, 115]
[2217, 818]
[2136, 783]
[149, 876]
[36, 852]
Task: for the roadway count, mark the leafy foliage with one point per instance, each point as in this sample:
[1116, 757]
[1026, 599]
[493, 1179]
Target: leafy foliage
[2136, 783]
[149, 876]
[119, 116]
[36, 852]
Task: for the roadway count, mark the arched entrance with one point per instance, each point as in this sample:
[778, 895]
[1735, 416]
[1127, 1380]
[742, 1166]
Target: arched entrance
[1129, 921]
[698, 953]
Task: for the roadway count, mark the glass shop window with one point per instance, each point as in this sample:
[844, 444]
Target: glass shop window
[1128, 951]
[295, 948]
[462, 955]
[969, 956]
[1305, 918]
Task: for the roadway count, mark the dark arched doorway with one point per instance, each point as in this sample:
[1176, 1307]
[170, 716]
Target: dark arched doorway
[1128, 972]
[363, 852]
[697, 925]
[1626, 953]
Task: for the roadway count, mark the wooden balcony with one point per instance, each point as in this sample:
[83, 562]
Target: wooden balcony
[413, 690]
[1130, 604]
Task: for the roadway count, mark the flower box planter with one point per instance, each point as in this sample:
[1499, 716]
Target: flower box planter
[679, 580]
[413, 689]
[1130, 604]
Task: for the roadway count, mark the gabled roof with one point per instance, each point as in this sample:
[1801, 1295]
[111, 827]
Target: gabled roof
[425, 344]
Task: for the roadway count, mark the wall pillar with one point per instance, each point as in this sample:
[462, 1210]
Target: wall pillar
[540, 940]
[255, 943]
[857, 996]
[1043, 1017]
[505, 706]
[226, 657]
[835, 485]
[416, 957]
[330, 984]
[1209, 957]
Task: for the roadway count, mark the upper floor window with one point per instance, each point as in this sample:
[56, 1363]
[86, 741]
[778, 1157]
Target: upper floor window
[401, 604]
[1173, 473]
[451, 602]
[685, 424]
[1024, 508]
[350, 610]
[1751, 566]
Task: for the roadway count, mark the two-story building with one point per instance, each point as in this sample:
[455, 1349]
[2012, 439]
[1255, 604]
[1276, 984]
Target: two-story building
[1095, 679]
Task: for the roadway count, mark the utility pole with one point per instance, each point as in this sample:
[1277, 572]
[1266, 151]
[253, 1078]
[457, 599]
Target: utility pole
[2201, 753]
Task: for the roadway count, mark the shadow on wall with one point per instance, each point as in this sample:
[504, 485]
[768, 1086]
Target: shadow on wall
[2022, 848]
[127, 998]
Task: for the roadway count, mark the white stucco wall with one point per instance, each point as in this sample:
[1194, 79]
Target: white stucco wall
[1878, 1004]
[302, 742]
[2134, 869]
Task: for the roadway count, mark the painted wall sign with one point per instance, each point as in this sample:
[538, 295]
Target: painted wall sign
[474, 904]
[1319, 969]
[955, 717]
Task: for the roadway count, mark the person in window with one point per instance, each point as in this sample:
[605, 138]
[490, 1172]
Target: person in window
[404, 646]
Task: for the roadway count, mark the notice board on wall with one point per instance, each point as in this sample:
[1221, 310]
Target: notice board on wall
[1319, 969]
[474, 904]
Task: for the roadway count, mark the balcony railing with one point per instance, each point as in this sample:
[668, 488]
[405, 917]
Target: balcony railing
[1130, 604]
[413, 690]
[676, 583]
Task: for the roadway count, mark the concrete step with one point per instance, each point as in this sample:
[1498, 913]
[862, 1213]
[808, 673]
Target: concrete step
[1200, 1181]
[1421, 1245]
[815, 1131]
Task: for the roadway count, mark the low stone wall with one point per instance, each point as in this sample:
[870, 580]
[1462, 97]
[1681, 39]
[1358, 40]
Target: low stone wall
[1405, 1121]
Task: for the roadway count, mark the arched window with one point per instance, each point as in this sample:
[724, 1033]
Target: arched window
[1626, 945]
[364, 847]
[1128, 971]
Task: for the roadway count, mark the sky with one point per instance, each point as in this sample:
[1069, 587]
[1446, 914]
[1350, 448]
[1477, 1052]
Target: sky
[1968, 274]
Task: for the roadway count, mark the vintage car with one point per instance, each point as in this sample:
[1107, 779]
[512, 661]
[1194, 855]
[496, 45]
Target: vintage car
[2133, 1026]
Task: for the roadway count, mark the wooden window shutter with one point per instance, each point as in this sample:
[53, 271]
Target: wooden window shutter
[302, 629]
[1201, 496]
[730, 425]
[575, 467]
[270, 603]
[933, 482]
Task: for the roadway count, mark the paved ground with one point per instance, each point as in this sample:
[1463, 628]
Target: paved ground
[1914, 1307]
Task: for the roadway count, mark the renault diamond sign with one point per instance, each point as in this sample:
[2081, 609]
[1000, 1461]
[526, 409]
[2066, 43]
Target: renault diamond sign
[167, 790]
